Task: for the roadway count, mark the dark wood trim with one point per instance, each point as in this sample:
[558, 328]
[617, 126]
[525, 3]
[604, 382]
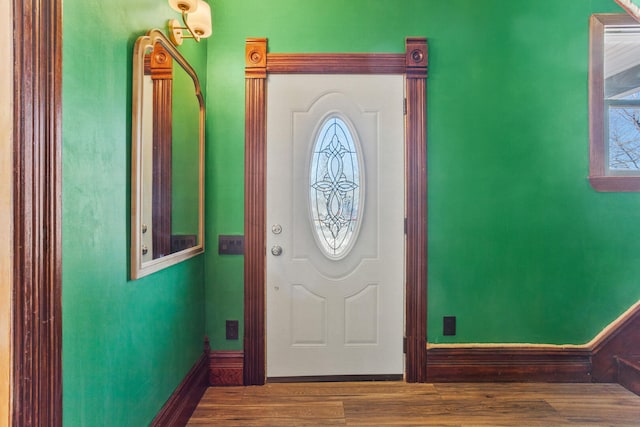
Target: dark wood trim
[615, 183]
[37, 279]
[596, 97]
[346, 63]
[629, 374]
[598, 178]
[495, 364]
[622, 341]
[161, 71]
[416, 58]
[254, 217]
[413, 64]
[594, 362]
[183, 401]
[226, 368]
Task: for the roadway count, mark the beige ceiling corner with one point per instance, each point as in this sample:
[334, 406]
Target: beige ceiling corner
[631, 6]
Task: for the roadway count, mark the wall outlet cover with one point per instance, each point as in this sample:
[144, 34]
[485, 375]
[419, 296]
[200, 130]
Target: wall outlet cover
[449, 325]
[232, 329]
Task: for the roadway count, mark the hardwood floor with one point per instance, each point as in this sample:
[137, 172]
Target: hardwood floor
[400, 404]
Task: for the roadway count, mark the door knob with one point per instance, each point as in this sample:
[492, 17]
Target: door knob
[276, 250]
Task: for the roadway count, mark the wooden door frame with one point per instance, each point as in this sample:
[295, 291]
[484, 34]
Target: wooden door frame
[37, 281]
[413, 64]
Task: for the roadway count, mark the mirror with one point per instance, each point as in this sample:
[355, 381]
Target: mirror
[167, 160]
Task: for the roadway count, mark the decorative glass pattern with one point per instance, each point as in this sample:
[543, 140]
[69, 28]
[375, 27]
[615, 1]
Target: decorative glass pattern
[335, 188]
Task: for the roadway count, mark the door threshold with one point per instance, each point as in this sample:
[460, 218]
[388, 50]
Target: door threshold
[336, 378]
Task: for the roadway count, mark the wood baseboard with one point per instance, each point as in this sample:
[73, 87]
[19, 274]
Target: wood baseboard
[496, 364]
[592, 362]
[622, 340]
[629, 374]
[226, 368]
[178, 409]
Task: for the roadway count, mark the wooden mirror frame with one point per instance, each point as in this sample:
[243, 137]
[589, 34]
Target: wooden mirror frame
[413, 65]
[158, 64]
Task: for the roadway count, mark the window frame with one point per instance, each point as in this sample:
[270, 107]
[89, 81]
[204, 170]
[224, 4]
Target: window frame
[599, 177]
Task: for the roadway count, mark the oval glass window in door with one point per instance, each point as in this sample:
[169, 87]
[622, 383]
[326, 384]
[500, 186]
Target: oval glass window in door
[335, 187]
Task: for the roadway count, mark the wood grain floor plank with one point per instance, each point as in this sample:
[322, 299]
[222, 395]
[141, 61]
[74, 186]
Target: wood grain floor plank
[447, 412]
[307, 410]
[399, 404]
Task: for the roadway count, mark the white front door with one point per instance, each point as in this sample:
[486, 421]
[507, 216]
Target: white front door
[335, 219]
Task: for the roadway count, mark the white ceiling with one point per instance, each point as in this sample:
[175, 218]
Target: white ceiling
[622, 49]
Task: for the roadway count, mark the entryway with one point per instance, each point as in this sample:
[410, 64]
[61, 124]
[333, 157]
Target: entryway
[335, 225]
[411, 68]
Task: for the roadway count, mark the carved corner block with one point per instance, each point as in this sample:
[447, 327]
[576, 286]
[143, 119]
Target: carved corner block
[256, 58]
[416, 57]
[160, 63]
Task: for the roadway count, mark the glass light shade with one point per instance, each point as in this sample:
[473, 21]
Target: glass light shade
[200, 21]
[188, 6]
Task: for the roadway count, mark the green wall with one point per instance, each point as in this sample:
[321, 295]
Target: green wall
[126, 344]
[521, 249]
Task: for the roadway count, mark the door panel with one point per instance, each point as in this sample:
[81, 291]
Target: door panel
[326, 314]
